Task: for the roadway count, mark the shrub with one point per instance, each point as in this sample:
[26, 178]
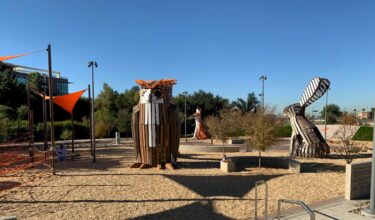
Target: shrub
[283, 131]
[66, 134]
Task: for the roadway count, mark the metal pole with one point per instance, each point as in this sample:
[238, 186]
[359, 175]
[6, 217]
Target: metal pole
[45, 128]
[72, 132]
[263, 78]
[185, 118]
[30, 118]
[50, 87]
[90, 126]
[278, 209]
[325, 120]
[265, 199]
[263, 93]
[92, 64]
[370, 211]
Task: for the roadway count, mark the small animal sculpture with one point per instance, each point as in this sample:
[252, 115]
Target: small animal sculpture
[306, 140]
[155, 126]
[199, 131]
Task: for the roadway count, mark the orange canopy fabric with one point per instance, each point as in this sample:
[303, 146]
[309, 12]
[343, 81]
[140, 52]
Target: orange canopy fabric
[3, 58]
[68, 101]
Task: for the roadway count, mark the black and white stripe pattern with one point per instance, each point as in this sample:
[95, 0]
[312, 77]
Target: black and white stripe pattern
[316, 89]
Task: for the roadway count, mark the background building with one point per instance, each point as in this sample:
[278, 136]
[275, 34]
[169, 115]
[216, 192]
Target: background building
[60, 84]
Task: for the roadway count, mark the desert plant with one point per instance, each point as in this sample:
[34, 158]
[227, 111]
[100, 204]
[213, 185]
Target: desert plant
[349, 149]
[229, 123]
[261, 129]
[66, 134]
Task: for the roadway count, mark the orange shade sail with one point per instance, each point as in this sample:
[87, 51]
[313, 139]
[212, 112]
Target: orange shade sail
[3, 58]
[68, 101]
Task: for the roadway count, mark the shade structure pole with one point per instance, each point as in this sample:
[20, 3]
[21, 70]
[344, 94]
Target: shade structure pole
[90, 126]
[185, 93]
[31, 131]
[50, 88]
[45, 128]
[72, 116]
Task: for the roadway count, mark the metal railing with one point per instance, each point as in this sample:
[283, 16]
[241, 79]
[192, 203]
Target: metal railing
[265, 199]
[302, 204]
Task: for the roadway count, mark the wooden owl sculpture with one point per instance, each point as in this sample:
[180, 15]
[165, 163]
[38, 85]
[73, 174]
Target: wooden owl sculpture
[306, 139]
[155, 126]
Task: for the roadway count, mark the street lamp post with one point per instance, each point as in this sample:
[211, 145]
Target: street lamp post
[185, 93]
[93, 64]
[325, 119]
[263, 78]
[313, 113]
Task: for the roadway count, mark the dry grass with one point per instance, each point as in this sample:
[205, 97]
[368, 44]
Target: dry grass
[198, 190]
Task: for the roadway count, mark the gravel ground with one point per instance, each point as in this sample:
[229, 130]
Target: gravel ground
[109, 189]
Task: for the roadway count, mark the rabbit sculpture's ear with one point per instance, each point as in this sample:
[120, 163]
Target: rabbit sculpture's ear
[316, 89]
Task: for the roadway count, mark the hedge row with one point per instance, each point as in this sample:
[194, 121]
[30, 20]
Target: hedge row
[284, 131]
[364, 133]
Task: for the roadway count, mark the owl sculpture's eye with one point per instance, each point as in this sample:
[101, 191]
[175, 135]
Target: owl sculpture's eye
[145, 95]
[157, 93]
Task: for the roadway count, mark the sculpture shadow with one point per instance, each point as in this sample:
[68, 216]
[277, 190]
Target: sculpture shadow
[228, 185]
[196, 210]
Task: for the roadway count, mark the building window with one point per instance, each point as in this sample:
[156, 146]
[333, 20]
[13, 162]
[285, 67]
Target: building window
[21, 80]
[62, 88]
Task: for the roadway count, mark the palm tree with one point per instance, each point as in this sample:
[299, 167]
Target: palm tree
[249, 105]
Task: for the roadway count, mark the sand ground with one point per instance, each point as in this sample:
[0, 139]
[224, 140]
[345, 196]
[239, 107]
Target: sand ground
[109, 189]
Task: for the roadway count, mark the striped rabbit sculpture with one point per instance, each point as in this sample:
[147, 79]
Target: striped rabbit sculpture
[155, 126]
[306, 140]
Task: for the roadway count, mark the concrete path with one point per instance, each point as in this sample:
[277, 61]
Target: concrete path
[335, 210]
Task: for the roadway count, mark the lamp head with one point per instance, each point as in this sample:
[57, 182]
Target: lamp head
[264, 77]
[93, 63]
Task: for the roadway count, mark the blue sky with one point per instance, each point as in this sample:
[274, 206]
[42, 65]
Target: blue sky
[219, 46]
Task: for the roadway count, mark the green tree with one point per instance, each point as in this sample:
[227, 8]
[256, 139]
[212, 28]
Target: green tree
[333, 113]
[208, 102]
[22, 112]
[106, 110]
[7, 112]
[35, 81]
[251, 104]
[125, 103]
